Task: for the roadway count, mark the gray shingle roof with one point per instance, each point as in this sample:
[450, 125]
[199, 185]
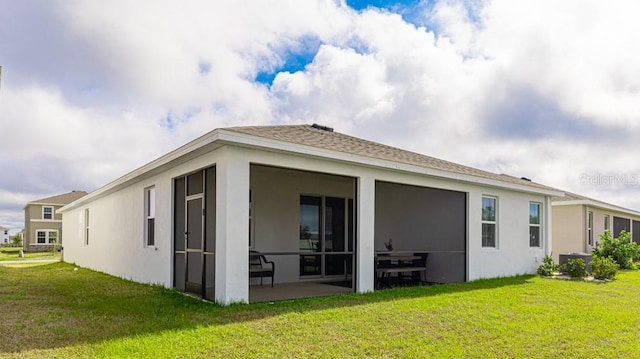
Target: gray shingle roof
[311, 136]
[61, 199]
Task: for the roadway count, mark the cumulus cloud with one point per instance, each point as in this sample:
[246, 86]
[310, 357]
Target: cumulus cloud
[540, 89]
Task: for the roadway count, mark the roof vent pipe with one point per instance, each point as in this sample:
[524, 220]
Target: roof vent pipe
[323, 128]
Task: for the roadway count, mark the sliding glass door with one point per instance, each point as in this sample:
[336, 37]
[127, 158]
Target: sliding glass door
[326, 236]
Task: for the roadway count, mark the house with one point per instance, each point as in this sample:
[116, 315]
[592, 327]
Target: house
[43, 223]
[317, 203]
[4, 235]
[578, 222]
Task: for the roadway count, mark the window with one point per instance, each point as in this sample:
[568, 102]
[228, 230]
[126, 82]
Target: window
[590, 228]
[534, 224]
[489, 221]
[606, 222]
[46, 237]
[41, 237]
[150, 216]
[47, 212]
[86, 226]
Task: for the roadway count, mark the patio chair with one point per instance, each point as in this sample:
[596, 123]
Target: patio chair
[258, 267]
[416, 276]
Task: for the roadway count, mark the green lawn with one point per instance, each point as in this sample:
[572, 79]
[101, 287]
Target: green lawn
[11, 254]
[53, 311]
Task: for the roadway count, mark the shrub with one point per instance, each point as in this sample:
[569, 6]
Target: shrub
[547, 267]
[622, 249]
[575, 268]
[604, 268]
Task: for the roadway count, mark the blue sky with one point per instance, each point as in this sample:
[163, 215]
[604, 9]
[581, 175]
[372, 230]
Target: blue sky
[292, 60]
[297, 59]
[542, 89]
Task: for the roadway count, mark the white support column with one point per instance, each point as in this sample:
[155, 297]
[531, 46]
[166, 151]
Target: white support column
[549, 226]
[366, 231]
[475, 256]
[232, 228]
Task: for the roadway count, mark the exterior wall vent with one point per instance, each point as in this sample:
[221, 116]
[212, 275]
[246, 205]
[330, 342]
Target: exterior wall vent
[323, 128]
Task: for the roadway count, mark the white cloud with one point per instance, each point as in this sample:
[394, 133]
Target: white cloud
[579, 53]
[542, 89]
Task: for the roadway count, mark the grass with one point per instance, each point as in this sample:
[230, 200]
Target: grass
[11, 254]
[53, 311]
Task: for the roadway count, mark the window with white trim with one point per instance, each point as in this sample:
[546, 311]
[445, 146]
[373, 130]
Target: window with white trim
[47, 212]
[86, 226]
[534, 224]
[46, 236]
[590, 228]
[150, 216]
[606, 222]
[489, 221]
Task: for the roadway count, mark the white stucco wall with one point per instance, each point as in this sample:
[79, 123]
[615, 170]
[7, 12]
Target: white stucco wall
[512, 255]
[116, 240]
[116, 233]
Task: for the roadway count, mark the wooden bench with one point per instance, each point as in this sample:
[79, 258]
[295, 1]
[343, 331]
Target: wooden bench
[258, 267]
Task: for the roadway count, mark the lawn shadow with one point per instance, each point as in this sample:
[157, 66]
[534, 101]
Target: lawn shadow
[59, 306]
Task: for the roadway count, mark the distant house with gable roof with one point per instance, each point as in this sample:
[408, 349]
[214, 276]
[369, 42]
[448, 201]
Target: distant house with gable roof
[42, 223]
[578, 222]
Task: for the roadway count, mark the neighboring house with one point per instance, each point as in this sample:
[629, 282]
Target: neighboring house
[579, 221]
[316, 202]
[43, 223]
[4, 235]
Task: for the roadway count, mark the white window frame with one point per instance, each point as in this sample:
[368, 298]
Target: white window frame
[538, 225]
[47, 236]
[149, 216]
[607, 222]
[494, 222]
[53, 213]
[86, 226]
[590, 228]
